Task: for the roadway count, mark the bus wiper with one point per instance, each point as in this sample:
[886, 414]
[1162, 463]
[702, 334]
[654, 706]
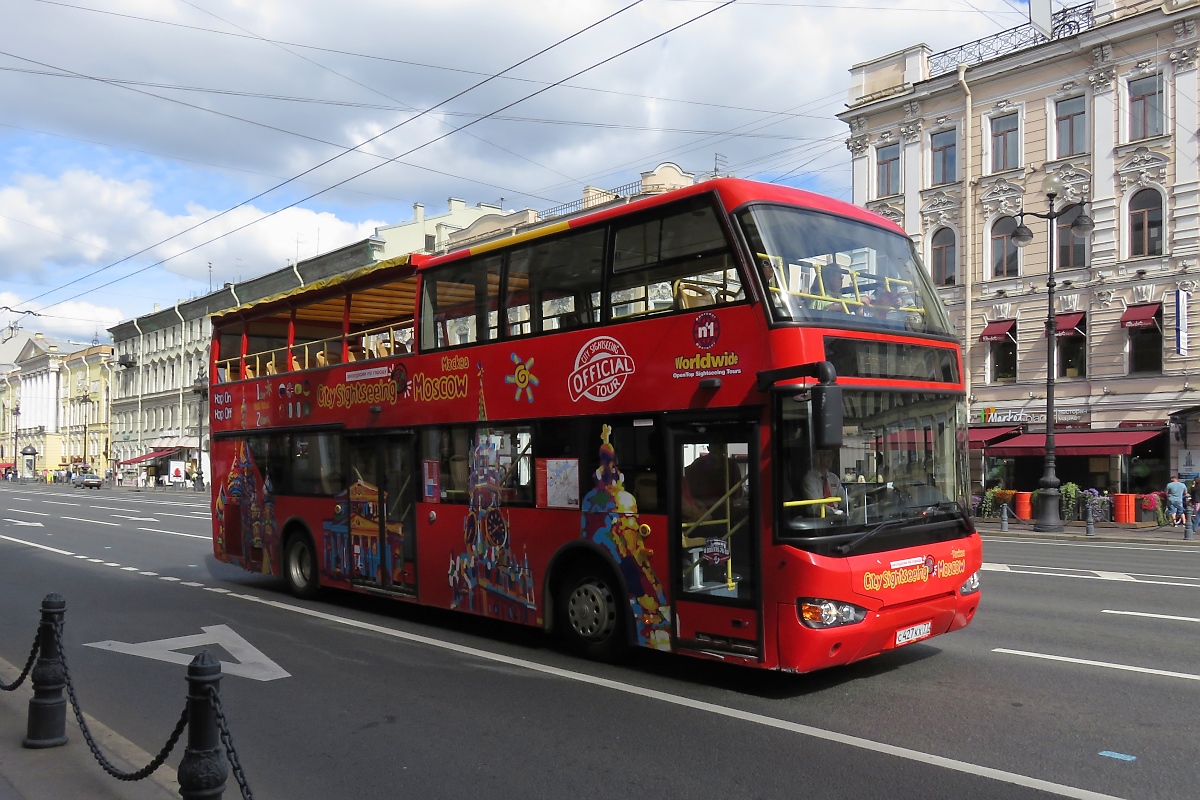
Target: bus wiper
[843, 549]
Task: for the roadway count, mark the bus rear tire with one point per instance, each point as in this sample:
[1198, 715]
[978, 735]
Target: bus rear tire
[592, 613]
[300, 567]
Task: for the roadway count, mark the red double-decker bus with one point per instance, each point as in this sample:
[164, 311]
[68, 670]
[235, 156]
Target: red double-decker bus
[727, 421]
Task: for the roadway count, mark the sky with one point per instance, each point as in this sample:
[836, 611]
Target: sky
[152, 148]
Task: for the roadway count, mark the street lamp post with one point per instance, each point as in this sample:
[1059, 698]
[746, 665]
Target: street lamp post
[200, 389]
[1048, 517]
[16, 416]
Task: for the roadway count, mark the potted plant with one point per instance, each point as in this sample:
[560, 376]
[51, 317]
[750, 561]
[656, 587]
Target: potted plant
[1070, 500]
[1148, 508]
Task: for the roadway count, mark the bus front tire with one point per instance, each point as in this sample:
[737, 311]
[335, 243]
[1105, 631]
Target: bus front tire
[300, 567]
[592, 614]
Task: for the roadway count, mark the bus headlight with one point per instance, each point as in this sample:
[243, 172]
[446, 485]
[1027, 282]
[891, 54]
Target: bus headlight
[971, 586]
[817, 613]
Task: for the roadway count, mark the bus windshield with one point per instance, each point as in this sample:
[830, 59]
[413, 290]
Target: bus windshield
[820, 268]
[903, 456]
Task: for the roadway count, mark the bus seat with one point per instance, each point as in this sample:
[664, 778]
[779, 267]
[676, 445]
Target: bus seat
[249, 371]
[295, 365]
[271, 367]
[687, 296]
[645, 491]
[320, 358]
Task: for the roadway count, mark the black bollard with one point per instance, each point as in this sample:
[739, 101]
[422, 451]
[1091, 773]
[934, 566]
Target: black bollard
[47, 726]
[1188, 520]
[203, 770]
[1003, 517]
[1090, 530]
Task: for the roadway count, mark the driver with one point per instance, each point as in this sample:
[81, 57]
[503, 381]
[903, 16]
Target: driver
[822, 482]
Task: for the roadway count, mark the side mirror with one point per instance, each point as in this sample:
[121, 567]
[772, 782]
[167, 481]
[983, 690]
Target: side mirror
[826, 416]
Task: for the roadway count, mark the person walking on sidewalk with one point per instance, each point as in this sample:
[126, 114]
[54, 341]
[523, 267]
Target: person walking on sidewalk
[1176, 497]
[1195, 502]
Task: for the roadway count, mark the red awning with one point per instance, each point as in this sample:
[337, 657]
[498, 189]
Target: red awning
[1068, 324]
[978, 437]
[5, 464]
[1074, 443]
[153, 454]
[998, 331]
[1143, 316]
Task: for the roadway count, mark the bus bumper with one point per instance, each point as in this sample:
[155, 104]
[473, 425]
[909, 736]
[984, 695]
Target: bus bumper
[804, 649]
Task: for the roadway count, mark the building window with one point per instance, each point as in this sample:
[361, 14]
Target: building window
[1070, 117]
[888, 165]
[1004, 359]
[1004, 251]
[1072, 352]
[943, 257]
[1146, 347]
[1072, 250]
[1145, 224]
[944, 145]
[1005, 150]
[1145, 107]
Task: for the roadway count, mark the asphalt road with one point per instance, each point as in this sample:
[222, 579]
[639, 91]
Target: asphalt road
[1078, 678]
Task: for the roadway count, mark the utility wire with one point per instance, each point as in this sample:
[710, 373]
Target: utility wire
[339, 155]
[544, 89]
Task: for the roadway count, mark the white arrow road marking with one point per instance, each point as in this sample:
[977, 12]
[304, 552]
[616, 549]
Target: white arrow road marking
[251, 663]
[26, 524]
[135, 519]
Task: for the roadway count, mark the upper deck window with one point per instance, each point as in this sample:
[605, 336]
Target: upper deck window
[555, 284]
[460, 304]
[825, 269]
[672, 262]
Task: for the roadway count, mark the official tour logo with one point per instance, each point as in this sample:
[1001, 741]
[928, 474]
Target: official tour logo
[706, 330]
[601, 369]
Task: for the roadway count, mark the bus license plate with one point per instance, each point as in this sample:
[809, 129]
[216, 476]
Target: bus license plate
[913, 633]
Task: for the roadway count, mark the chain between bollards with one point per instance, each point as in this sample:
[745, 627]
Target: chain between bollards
[8, 687]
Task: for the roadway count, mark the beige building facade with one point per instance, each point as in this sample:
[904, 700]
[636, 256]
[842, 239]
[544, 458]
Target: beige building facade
[955, 146]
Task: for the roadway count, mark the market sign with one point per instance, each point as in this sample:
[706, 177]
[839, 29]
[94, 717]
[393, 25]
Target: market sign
[1019, 416]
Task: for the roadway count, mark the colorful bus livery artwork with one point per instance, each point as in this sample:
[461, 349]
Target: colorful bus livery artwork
[725, 421]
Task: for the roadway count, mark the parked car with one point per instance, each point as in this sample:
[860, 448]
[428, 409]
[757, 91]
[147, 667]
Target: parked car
[88, 481]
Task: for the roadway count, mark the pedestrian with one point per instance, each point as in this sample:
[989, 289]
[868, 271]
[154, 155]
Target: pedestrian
[1176, 497]
[1195, 502]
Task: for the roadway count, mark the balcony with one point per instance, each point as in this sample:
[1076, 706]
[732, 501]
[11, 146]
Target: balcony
[1067, 22]
[127, 361]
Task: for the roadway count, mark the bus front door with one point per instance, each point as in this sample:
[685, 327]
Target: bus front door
[715, 538]
[381, 516]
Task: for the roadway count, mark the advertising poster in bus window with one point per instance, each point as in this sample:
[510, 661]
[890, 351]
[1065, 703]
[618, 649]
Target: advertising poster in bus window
[431, 483]
[557, 482]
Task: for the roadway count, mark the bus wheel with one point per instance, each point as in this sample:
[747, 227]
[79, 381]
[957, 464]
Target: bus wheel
[300, 567]
[592, 617]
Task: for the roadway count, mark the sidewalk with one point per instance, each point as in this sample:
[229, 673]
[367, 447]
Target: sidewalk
[69, 772]
[1105, 532]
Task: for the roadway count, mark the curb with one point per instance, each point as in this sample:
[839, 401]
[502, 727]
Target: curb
[1099, 537]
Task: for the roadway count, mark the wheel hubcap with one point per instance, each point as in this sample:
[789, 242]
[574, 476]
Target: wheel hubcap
[592, 610]
[301, 567]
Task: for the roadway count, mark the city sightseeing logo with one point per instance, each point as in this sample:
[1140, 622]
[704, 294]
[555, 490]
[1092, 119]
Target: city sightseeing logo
[602, 368]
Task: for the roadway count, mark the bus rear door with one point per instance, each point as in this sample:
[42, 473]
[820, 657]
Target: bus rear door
[381, 516]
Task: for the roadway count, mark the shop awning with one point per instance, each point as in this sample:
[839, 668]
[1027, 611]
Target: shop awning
[978, 437]
[1141, 316]
[1068, 324]
[1073, 443]
[152, 455]
[6, 464]
[998, 331]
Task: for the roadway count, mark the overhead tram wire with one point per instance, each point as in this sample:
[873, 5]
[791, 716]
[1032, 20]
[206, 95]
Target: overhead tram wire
[543, 90]
[404, 62]
[371, 88]
[353, 149]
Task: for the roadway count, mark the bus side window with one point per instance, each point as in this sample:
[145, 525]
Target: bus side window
[450, 446]
[638, 450]
[672, 263]
[460, 304]
[555, 284]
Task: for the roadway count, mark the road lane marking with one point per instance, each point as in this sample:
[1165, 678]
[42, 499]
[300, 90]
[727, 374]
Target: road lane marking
[167, 578]
[81, 556]
[23, 511]
[1152, 616]
[1154, 548]
[176, 533]
[191, 583]
[129, 569]
[112, 508]
[24, 524]
[1118, 756]
[1096, 575]
[216, 589]
[94, 521]
[1187, 676]
[96, 560]
[148, 573]
[38, 546]
[111, 564]
[58, 503]
[183, 516]
[135, 519]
